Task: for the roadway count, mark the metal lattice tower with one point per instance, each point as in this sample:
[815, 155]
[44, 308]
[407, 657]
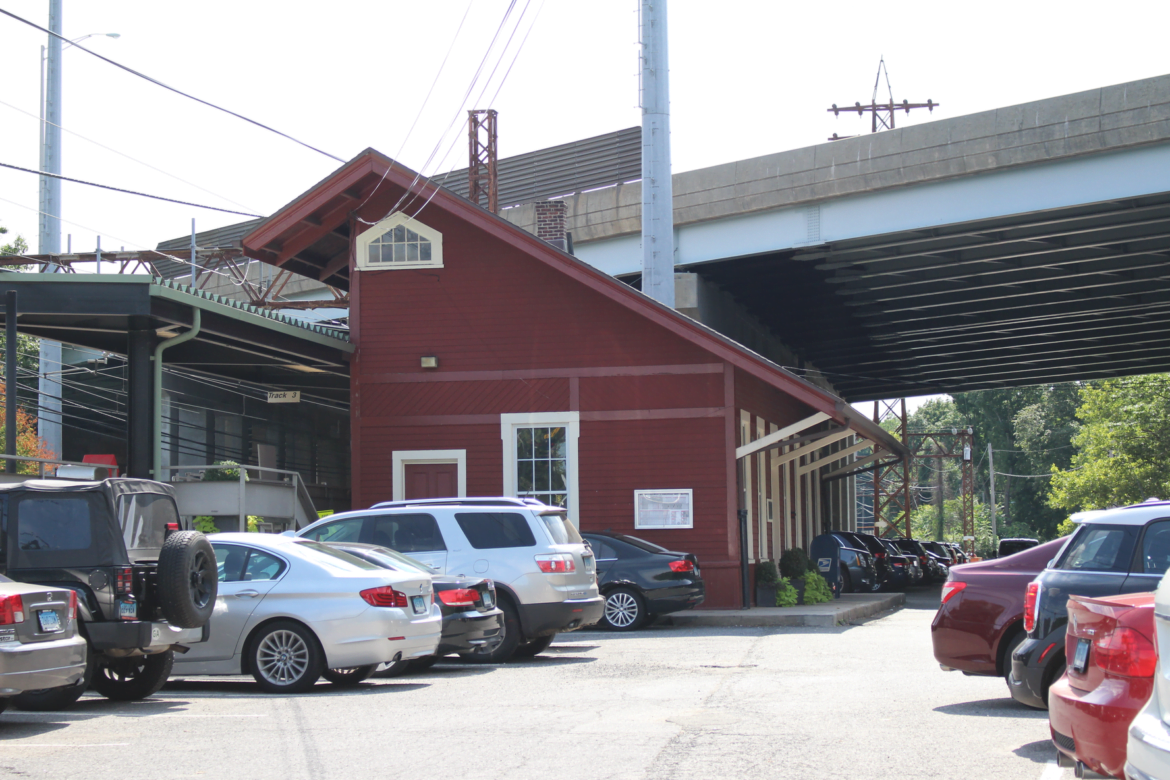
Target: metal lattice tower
[891, 483]
[482, 178]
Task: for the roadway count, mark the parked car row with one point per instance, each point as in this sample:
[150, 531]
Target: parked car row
[864, 562]
[1073, 626]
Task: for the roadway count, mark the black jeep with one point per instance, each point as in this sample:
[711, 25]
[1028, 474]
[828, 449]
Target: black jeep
[145, 586]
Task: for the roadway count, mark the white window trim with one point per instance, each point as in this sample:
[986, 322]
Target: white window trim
[572, 423]
[691, 501]
[404, 458]
[388, 224]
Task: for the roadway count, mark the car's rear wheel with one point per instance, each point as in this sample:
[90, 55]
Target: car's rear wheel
[350, 676]
[286, 658]
[187, 579]
[1014, 640]
[846, 582]
[535, 647]
[424, 663]
[625, 610]
[508, 643]
[130, 679]
[50, 699]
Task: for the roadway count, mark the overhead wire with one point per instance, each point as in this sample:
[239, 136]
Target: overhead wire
[158, 83]
[409, 192]
[125, 191]
[123, 154]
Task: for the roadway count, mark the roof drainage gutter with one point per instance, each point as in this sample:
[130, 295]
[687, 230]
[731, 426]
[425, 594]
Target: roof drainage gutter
[156, 359]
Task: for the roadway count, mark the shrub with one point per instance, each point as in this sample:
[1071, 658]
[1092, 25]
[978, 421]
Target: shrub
[766, 573]
[816, 590]
[793, 563]
[205, 524]
[785, 593]
[224, 475]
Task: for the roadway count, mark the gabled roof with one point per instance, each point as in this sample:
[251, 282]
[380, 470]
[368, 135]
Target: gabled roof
[311, 236]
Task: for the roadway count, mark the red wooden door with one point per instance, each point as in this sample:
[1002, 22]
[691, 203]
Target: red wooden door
[431, 480]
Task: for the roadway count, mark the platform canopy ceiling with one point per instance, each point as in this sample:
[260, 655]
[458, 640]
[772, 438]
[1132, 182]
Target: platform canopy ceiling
[1074, 293]
[235, 341]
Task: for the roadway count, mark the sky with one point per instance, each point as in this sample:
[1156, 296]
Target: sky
[747, 79]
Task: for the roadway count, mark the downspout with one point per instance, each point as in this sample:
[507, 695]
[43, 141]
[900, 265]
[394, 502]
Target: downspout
[156, 358]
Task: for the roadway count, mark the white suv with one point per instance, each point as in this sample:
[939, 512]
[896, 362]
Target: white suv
[545, 574]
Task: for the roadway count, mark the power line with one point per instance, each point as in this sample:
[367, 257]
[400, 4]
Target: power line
[168, 87]
[122, 154]
[126, 192]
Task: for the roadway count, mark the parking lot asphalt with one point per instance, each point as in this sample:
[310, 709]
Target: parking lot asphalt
[664, 703]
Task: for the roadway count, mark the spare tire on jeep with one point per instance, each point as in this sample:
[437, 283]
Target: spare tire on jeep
[187, 579]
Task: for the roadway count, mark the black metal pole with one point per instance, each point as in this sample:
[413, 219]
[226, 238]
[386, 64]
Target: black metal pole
[10, 345]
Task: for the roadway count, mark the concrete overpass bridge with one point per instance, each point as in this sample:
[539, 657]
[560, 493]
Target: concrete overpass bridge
[1022, 245]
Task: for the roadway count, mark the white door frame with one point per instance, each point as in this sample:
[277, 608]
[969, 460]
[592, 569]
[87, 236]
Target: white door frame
[404, 458]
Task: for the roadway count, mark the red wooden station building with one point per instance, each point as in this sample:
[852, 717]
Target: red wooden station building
[491, 362]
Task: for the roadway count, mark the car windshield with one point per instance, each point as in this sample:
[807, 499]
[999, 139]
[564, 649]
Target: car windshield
[1099, 547]
[561, 529]
[642, 544]
[335, 558]
[390, 559]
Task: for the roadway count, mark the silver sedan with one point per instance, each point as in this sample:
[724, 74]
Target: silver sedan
[290, 610]
[39, 644]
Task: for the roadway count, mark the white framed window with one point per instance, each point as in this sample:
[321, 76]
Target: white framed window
[403, 458]
[399, 242]
[664, 508]
[540, 457]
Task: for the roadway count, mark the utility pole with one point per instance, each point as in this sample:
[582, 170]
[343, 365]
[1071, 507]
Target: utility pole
[49, 238]
[991, 478]
[942, 499]
[881, 114]
[657, 192]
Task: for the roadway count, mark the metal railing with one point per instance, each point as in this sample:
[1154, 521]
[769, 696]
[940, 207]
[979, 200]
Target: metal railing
[42, 463]
[296, 482]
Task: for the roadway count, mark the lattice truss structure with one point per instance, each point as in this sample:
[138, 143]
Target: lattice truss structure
[894, 490]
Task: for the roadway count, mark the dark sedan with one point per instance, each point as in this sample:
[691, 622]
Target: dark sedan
[1112, 552]
[472, 623]
[981, 618]
[641, 580]
[856, 570]
[933, 567]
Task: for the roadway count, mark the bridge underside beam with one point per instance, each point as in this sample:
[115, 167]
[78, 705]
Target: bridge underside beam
[1080, 292]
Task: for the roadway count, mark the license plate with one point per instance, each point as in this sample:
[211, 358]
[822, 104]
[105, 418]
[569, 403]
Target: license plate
[1081, 656]
[128, 610]
[590, 564]
[419, 604]
[488, 601]
[49, 620]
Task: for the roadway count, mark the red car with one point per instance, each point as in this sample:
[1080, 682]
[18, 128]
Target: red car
[981, 618]
[1111, 660]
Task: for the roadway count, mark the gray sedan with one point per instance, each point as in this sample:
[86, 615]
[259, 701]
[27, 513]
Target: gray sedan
[290, 610]
[39, 644]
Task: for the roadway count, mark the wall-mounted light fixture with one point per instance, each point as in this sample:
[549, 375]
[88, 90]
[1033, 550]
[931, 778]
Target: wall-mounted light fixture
[429, 361]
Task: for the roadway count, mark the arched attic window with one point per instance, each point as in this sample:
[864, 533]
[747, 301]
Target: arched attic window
[399, 242]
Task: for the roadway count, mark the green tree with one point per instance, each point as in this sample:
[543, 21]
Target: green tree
[1122, 446]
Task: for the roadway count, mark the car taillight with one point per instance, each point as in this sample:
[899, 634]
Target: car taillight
[459, 597]
[1125, 652]
[72, 613]
[11, 610]
[557, 563]
[383, 596]
[1031, 597]
[681, 566]
[950, 588]
[880, 556]
[123, 580]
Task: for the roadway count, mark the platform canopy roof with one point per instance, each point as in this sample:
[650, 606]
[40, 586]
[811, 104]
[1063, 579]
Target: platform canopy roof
[1049, 296]
[235, 341]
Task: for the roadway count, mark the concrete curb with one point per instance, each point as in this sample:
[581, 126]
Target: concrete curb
[849, 608]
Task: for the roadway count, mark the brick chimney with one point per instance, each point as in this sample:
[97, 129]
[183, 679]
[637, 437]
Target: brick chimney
[550, 223]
